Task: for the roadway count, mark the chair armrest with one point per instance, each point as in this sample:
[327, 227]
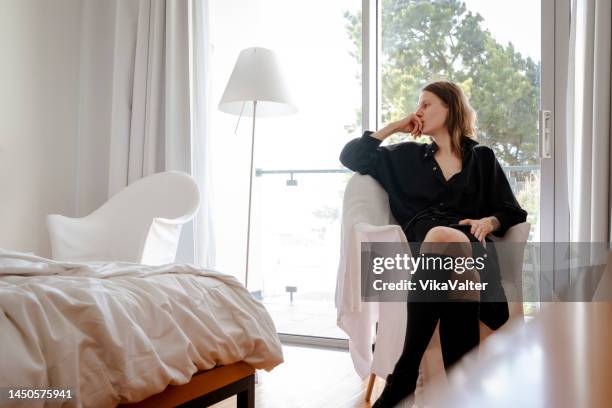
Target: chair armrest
[161, 242]
[379, 233]
[510, 251]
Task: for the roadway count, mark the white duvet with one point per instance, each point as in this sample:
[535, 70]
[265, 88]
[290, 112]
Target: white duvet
[119, 332]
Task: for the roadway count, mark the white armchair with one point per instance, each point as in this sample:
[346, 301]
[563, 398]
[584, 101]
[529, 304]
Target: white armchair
[367, 218]
[142, 223]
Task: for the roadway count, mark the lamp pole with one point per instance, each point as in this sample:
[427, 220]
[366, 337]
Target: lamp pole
[248, 239]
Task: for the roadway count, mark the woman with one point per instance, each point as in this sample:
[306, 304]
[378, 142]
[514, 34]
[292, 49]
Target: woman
[451, 190]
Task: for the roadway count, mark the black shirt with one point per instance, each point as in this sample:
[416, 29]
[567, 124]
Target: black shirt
[416, 185]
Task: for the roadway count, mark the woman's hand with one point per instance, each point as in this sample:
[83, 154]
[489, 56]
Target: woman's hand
[482, 227]
[410, 124]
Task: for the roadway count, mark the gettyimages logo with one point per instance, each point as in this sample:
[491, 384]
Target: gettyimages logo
[406, 262]
[518, 272]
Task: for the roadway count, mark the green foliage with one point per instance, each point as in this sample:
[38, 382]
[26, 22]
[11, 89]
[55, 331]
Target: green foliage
[424, 41]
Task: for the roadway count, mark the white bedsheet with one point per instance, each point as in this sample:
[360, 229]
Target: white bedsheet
[119, 332]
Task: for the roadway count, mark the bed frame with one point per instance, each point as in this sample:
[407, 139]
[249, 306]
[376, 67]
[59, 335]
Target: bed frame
[207, 388]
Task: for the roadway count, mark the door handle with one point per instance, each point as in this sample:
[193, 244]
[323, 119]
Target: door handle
[545, 145]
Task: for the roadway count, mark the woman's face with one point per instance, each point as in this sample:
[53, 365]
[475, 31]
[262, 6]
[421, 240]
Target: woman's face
[432, 112]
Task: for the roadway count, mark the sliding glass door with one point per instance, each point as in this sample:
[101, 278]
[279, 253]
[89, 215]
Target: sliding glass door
[475, 44]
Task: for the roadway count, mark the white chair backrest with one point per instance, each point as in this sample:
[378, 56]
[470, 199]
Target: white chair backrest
[141, 223]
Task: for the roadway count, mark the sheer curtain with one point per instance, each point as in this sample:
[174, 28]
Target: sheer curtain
[588, 112]
[159, 118]
[202, 158]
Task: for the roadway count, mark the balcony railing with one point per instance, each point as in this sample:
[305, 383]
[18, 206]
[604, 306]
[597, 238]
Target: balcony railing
[516, 174]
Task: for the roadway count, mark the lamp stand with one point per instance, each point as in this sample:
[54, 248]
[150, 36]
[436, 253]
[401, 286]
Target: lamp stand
[248, 240]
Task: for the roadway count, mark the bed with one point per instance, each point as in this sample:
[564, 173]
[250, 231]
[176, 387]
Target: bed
[116, 333]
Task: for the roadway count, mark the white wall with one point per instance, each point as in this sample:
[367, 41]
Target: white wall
[39, 88]
[95, 97]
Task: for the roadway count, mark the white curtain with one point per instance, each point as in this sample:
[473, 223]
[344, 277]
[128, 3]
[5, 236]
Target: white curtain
[150, 123]
[159, 104]
[588, 112]
[204, 226]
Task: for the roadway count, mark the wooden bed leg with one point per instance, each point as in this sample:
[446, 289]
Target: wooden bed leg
[246, 398]
[371, 381]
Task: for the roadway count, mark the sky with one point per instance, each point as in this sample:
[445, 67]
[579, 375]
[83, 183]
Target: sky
[516, 21]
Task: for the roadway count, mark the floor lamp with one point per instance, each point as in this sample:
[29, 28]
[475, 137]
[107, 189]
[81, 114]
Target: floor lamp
[256, 88]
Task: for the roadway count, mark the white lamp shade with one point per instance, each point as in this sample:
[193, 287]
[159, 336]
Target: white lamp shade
[257, 77]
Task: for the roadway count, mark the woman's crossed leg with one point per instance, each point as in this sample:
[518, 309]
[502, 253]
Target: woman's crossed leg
[459, 320]
[459, 326]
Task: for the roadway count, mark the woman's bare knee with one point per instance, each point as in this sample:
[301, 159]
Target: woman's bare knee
[446, 240]
[445, 234]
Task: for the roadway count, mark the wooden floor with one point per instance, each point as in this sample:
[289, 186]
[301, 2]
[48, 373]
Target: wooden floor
[562, 358]
[310, 377]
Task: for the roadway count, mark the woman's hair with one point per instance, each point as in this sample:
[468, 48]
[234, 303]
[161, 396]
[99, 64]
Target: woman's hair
[461, 119]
